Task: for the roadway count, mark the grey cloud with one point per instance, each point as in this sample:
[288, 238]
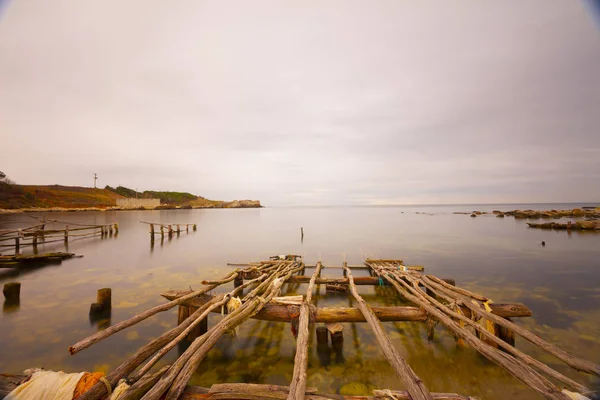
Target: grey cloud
[305, 102]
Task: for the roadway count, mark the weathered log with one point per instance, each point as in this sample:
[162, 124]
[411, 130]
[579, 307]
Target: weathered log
[298, 385]
[127, 366]
[175, 380]
[139, 388]
[280, 313]
[570, 360]
[521, 371]
[411, 381]
[196, 317]
[87, 342]
[506, 344]
[8, 382]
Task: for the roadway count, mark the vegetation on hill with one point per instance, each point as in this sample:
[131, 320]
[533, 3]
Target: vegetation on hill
[24, 196]
[176, 198]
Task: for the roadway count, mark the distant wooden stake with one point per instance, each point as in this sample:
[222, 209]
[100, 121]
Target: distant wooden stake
[194, 227]
[152, 230]
[66, 233]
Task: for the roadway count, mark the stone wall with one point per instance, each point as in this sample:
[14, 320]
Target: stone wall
[137, 203]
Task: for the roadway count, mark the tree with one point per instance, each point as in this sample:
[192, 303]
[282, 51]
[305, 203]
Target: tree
[5, 179]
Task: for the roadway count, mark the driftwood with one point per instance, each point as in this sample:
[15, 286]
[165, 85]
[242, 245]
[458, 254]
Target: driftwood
[298, 385]
[412, 382]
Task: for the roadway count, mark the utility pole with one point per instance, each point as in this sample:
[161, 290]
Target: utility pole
[95, 179]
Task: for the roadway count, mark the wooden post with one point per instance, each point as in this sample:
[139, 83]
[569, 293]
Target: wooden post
[17, 244]
[178, 230]
[104, 298]
[170, 230]
[505, 334]
[322, 335]
[301, 233]
[110, 229]
[66, 233]
[337, 342]
[344, 266]
[12, 291]
[162, 232]
[194, 227]
[238, 281]
[152, 230]
[182, 314]
[187, 228]
[35, 240]
[116, 228]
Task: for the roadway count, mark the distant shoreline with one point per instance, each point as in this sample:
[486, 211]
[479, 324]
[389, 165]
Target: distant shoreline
[107, 209]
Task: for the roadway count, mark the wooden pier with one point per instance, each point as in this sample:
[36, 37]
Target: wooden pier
[473, 319]
[39, 234]
[168, 229]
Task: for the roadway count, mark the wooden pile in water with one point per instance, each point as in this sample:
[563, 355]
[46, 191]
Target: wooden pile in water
[472, 318]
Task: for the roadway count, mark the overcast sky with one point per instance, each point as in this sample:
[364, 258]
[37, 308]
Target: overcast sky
[305, 102]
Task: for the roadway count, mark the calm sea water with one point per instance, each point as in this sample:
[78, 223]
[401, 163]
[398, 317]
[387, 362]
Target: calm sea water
[501, 258]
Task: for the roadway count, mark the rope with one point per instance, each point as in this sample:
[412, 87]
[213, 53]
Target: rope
[388, 393]
[380, 281]
[107, 384]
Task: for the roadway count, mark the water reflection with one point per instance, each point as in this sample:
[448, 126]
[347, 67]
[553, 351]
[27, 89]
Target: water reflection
[175, 233]
[11, 306]
[501, 258]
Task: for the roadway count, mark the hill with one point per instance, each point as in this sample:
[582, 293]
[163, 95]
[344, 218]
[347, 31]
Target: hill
[14, 197]
[25, 196]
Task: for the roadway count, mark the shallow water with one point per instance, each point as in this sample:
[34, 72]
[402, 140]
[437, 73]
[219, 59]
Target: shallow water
[501, 258]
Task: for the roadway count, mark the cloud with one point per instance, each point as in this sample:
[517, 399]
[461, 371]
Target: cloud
[305, 102]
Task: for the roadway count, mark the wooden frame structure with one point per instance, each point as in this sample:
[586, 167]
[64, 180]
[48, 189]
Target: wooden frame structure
[472, 318]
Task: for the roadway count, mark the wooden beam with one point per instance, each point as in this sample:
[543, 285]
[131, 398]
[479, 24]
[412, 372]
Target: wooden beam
[280, 312]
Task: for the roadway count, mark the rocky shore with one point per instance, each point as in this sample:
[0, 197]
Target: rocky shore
[593, 224]
[587, 218]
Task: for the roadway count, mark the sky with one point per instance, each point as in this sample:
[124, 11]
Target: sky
[305, 102]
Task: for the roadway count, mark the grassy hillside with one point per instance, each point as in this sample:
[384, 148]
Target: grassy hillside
[32, 196]
[173, 198]
[22, 196]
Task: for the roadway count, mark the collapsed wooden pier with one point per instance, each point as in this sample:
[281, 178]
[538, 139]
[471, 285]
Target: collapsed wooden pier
[39, 234]
[472, 318]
